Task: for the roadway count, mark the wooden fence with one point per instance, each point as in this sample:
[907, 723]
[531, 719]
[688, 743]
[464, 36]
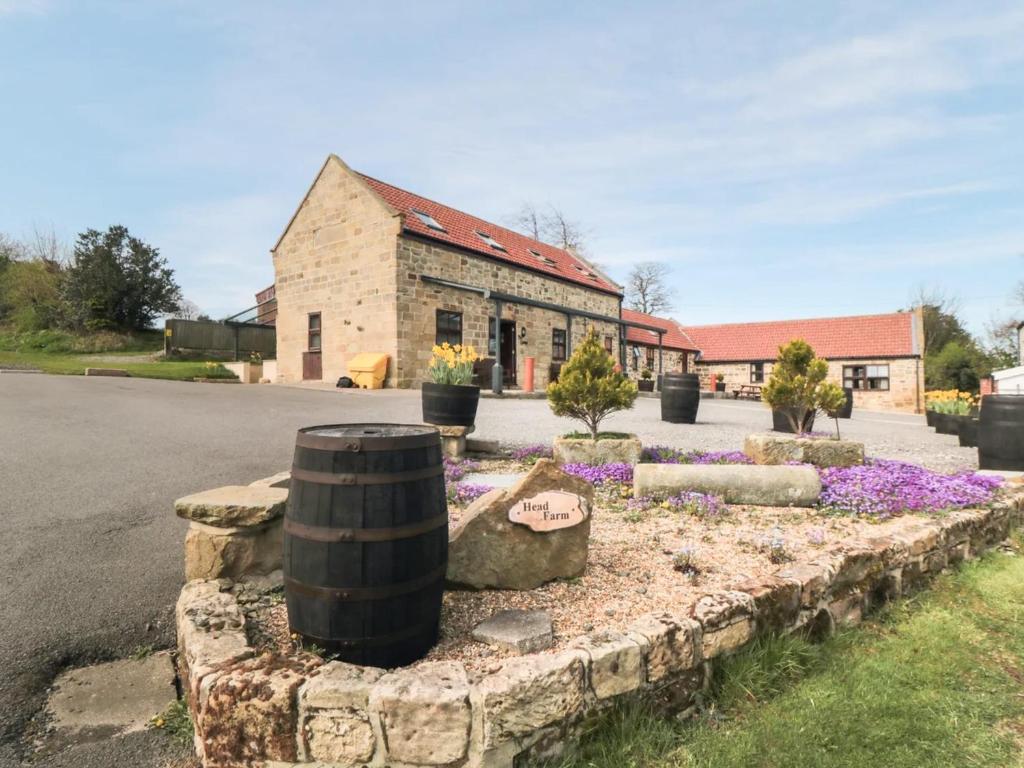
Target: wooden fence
[227, 340]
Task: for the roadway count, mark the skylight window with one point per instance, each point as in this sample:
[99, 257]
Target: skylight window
[429, 220]
[490, 241]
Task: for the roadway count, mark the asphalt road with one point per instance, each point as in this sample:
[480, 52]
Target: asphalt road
[91, 561]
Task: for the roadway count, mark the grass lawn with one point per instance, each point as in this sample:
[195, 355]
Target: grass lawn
[145, 367]
[936, 681]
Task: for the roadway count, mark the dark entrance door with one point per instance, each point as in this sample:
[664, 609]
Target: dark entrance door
[508, 350]
[312, 366]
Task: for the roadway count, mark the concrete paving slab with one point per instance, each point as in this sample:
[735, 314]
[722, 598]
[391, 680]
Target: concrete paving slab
[116, 697]
[494, 480]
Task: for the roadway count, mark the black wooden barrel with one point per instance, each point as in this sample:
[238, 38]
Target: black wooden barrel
[680, 397]
[968, 432]
[366, 541]
[450, 405]
[847, 410]
[1001, 432]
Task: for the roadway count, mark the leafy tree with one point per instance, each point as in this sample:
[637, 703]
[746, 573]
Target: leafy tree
[117, 281]
[30, 294]
[797, 386]
[588, 388]
[955, 367]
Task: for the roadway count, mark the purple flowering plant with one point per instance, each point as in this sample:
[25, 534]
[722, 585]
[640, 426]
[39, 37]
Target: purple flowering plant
[529, 454]
[456, 469]
[616, 473]
[464, 493]
[883, 488]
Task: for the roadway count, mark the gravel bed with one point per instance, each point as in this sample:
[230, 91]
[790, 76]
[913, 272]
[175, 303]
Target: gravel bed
[634, 568]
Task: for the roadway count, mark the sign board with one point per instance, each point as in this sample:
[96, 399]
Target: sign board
[549, 511]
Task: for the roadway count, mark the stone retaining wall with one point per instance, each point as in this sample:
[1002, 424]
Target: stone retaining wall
[270, 711]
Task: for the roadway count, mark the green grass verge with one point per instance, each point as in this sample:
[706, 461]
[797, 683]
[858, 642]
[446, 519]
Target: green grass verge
[63, 342]
[936, 681]
[146, 368]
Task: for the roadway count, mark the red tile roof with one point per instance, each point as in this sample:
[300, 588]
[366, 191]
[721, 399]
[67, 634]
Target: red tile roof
[461, 230]
[864, 336]
[673, 338]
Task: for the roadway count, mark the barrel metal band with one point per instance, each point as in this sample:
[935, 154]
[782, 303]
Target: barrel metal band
[357, 443]
[375, 640]
[329, 534]
[366, 478]
[354, 594]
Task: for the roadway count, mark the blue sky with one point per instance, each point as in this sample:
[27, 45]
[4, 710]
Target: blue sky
[785, 159]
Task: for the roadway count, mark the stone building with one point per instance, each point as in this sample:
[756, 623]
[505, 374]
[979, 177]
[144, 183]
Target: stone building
[672, 351]
[878, 356]
[364, 266]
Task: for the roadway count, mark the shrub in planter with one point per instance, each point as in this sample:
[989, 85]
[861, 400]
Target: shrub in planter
[646, 383]
[797, 387]
[450, 399]
[588, 388]
[719, 382]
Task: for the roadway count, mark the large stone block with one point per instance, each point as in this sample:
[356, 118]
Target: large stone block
[280, 480]
[776, 602]
[487, 549]
[772, 486]
[671, 645]
[334, 716]
[814, 580]
[250, 713]
[616, 663]
[528, 693]
[727, 619]
[425, 713]
[213, 553]
[233, 506]
[776, 448]
[568, 450]
[211, 633]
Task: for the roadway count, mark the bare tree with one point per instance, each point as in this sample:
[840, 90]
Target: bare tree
[527, 221]
[647, 289]
[549, 225]
[187, 310]
[45, 246]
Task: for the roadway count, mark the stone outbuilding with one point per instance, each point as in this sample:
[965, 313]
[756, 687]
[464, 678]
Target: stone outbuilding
[364, 266]
[878, 356]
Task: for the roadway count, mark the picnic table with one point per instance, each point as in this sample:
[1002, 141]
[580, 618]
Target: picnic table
[751, 391]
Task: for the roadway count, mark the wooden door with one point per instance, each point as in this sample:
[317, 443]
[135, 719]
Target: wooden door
[508, 351]
[312, 366]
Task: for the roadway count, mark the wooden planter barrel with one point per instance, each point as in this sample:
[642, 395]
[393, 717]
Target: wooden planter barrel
[781, 424]
[450, 405]
[1001, 432]
[366, 541]
[680, 397]
[946, 423]
[968, 433]
[847, 410]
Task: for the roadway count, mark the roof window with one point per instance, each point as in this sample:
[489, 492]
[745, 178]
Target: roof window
[490, 241]
[429, 220]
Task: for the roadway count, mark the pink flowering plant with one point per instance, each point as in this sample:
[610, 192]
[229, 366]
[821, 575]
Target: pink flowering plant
[664, 454]
[701, 505]
[529, 454]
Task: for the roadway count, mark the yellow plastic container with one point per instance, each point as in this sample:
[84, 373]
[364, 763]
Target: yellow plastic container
[368, 369]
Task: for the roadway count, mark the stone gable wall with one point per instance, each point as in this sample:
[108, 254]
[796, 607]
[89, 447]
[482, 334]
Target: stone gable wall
[418, 302]
[337, 258]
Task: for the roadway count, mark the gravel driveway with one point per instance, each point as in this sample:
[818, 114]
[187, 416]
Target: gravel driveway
[92, 563]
